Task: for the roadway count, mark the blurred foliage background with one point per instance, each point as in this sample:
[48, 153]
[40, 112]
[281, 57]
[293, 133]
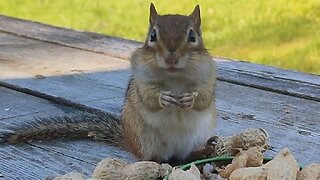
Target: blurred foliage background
[282, 33]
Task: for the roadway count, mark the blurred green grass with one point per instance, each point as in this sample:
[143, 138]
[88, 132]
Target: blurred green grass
[282, 33]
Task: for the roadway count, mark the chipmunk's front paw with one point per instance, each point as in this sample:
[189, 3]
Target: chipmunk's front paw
[167, 99]
[186, 100]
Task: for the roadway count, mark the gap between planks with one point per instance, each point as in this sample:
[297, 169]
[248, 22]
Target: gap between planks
[122, 48]
[54, 99]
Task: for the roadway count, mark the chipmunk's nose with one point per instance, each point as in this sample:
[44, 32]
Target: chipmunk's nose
[171, 57]
[171, 60]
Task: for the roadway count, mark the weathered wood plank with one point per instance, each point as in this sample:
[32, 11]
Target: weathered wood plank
[262, 70]
[235, 114]
[50, 158]
[26, 58]
[239, 103]
[30, 162]
[68, 72]
[291, 122]
[264, 80]
[68, 37]
[25, 67]
[17, 107]
[262, 77]
[42, 71]
[303, 120]
[26, 161]
[79, 149]
[271, 79]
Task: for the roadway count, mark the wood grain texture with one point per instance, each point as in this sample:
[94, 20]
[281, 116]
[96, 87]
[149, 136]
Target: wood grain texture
[49, 69]
[291, 122]
[18, 108]
[50, 159]
[38, 160]
[270, 79]
[67, 37]
[262, 77]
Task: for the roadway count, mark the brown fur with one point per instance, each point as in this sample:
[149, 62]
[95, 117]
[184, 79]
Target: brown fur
[143, 92]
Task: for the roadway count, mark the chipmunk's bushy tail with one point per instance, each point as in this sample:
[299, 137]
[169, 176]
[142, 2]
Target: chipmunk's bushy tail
[104, 127]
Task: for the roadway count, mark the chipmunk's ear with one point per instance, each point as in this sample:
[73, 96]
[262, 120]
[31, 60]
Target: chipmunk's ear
[153, 14]
[195, 15]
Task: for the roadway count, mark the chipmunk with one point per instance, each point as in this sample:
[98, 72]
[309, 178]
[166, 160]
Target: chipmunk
[169, 109]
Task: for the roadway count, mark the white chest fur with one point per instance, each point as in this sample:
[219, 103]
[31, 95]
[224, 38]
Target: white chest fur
[176, 132]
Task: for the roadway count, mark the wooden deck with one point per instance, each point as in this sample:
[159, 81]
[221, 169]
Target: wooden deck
[50, 71]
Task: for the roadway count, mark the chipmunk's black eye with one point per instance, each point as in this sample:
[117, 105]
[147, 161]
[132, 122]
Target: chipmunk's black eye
[191, 37]
[153, 36]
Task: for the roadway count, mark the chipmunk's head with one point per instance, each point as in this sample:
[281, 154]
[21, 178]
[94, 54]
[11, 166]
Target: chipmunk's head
[174, 40]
